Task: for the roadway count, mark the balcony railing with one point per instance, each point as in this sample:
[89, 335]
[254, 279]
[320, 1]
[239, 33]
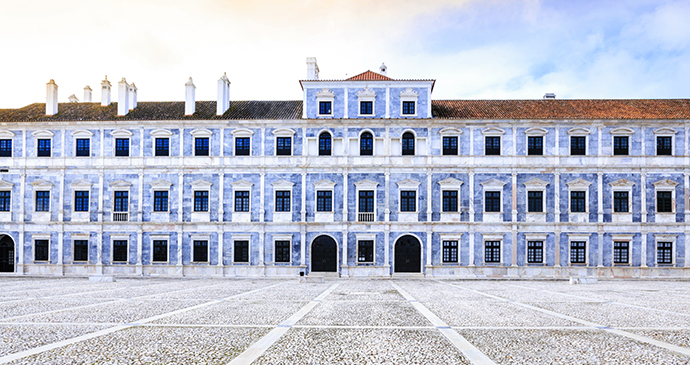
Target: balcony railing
[120, 217]
[365, 217]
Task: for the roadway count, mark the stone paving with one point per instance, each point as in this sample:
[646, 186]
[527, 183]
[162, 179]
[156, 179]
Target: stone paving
[348, 321]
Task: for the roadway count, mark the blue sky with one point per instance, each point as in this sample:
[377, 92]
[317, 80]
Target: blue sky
[474, 49]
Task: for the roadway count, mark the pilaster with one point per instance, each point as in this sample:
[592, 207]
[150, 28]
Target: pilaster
[471, 198]
[643, 196]
[387, 210]
[600, 197]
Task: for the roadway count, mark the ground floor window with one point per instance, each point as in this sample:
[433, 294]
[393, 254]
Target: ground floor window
[241, 251]
[664, 253]
[492, 251]
[282, 251]
[41, 250]
[535, 252]
[120, 251]
[200, 251]
[81, 250]
[160, 251]
[577, 252]
[450, 251]
[365, 251]
[621, 250]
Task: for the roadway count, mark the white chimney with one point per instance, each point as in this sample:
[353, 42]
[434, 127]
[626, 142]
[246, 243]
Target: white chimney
[73, 99]
[312, 69]
[105, 92]
[132, 96]
[383, 69]
[87, 94]
[189, 97]
[223, 95]
[51, 98]
[122, 97]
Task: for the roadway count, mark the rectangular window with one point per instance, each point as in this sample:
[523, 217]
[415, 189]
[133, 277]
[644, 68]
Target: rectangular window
[492, 251]
[535, 252]
[121, 201]
[535, 145]
[577, 252]
[450, 200]
[83, 147]
[621, 249]
[284, 146]
[282, 251]
[201, 146]
[620, 201]
[42, 248]
[365, 251]
[366, 107]
[241, 201]
[450, 251]
[620, 145]
[160, 201]
[535, 201]
[492, 146]
[43, 148]
[242, 147]
[201, 201]
[163, 147]
[200, 251]
[241, 251]
[663, 146]
[664, 202]
[578, 145]
[577, 202]
[81, 201]
[450, 146]
[5, 148]
[324, 107]
[408, 107]
[5, 201]
[160, 250]
[408, 201]
[43, 201]
[664, 253]
[81, 250]
[324, 201]
[492, 201]
[122, 147]
[366, 201]
[120, 250]
[282, 201]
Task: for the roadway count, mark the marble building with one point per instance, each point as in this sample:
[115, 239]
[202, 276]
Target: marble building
[366, 176]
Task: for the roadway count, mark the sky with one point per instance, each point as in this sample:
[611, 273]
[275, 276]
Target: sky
[490, 49]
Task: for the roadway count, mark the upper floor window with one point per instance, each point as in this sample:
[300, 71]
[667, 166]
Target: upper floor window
[366, 201]
[535, 201]
[324, 201]
[408, 107]
[366, 107]
[620, 201]
[366, 144]
[201, 201]
[5, 148]
[535, 145]
[121, 203]
[408, 102]
[324, 99]
[5, 201]
[122, 147]
[43, 201]
[325, 108]
[43, 148]
[282, 201]
[160, 201]
[664, 202]
[408, 144]
[284, 146]
[242, 146]
[450, 145]
[664, 145]
[492, 145]
[450, 200]
[81, 201]
[162, 146]
[578, 145]
[241, 201]
[83, 147]
[201, 146]
[408, 201]
[492, 201]
[620, 145]
[324, 144]
[578, 202]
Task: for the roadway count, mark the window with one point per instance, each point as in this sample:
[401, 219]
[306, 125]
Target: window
[365, 251]
[325, 107]
[408, 201]
[621, 250]
[664, 253]
[492, 146]
[160, 201]
[201, 146]
[283, 146]
[492, 201]
[43, 201]
[664, 202]
[282, 201]
[241, 251]
[121, 201]
[492, 251]
[620, 145]
[324, 201]
[664, 145]
[408, 144]
[620, 201]
[366, 144]
[535, 252]
[5, 201]
[241, 201]
[450, 251]
[366, 201]
[408, 107]
[535, 201]
[577, 252]
[43, 148]
[324, 144]
[122, 147]
[160, 250]
[535, 145]
[578, 145]
[450, 200]
[83, 147]
[81, 250]
[242, 146]
[163, 147]
[200, 251]
[81, 201]
[450, 146]
[366, 107]
[5, 148]
[578, 202]
[42, 250]
[282, 251]
[201, 201]
[120, 250]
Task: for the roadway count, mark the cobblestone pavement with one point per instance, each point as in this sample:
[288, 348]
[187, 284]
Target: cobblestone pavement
[342, 321]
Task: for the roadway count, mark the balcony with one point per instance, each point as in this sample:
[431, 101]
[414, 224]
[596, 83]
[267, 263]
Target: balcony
[121, 217]
[365, 217]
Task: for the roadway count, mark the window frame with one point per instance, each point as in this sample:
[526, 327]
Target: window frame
[407, 185]
[628, 240]
[366, 185]
[540, 186]
[579, 132]
[283, 133]
[201, 133]
[121, 134]
[330, 143]
[530, 239]
[241, 185]
[622, 185]
[493, 238]
[366, 95]
[88, 200]
[578, 185]
[43, 135]
[665, 132]
[204, 197]
[621, 132]
[406, 96]
[238, 134]
[578, 238]
[112, 249]
[160, 134]
[240, 238]
[193, 239]
[282, 238]
[365, 237]
[324, 185]
[78, 135]
[406, 135]
[36, 205]
[160, 237]
[373, 142]
[81, 237]
[7, 136]
[160, 185]
[493, 132]
[451, 184]
[663, 238]
[447, 237]
[665, 185]
[535, 133]
[40, 237]
[325, 95]
[4, 188]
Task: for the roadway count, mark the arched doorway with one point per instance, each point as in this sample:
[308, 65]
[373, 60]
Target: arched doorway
[6, 254]
[324, 255]
[408, 253]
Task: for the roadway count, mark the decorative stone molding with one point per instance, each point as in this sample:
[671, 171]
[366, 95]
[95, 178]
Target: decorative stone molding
[450, 183]
[324, 184]
[536, 132]
[536, 183]
[578, 184]
[43, 134]
[282, 184]
[82, 133]
[366, 184]
[283, 132]
[325, 93]
[201, 132]
[578, 131]
[242, 132]
[161, 133]
[408, 184]
[409, 93]
[161, 184]
[121, 133]
[665, 131]
[493, 131]
[5, 185]
[81, 184]
[493, 184]
[6, 134]
[120, 184]
[622, 131]
[450, 131]
[665, 184]
[42, 184]
[622, 183]
[241, 184]
[201, 184]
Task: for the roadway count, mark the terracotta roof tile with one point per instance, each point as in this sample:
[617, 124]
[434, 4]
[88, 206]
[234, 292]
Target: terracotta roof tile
[369, 76]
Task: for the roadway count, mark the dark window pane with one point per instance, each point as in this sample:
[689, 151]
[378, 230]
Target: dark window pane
[42, 248]
[535, 201]
[535, 145]
[201, 201]
[620, 201]
[366, 201]
[5, 201]
[492, 146]
[43, 201]
[492, 200]
[241, 201]
[663, 146]
[450, 146]
[450, 251]
[241, 251]
[408, 107]
[81, 201]
[620, 252]
[242, 147]
[535, 252]
[282, 201]
[577, 252]
[577, 145]
[365, 251]
[83, 147]
[121, 201]
[43, 148]
[201, 146]
[324, 201]
[577, 202]
[324, 107]
[664, 253]
[282, 251]
[325, 144]
[283, 146]
[492, 251]
[664, 202]
[200, 251]
[366, 107]
[408, 201]
[408, 144]
[122, 147]
[120, 251]
[81, 250]
[366, 144]
[160, 201]
[620, 145]
[160, 250]
[162, 147]
[450, 200]
[5, 148]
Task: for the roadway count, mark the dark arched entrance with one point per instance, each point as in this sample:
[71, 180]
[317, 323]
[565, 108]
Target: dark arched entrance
[6, 254]
[408, 257]
[324, 255]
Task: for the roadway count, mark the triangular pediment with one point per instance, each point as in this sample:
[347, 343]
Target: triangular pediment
[121, 184]
[241, 184]
[41, 182]
[364, 184]
[450, 182]
[579, 183]
[493, 183]
[5, 184]
[324, 184]
[201, 184]
[408, 184]
[666, 183]
[536, 183]
[81, 183]
[283, 184]
[622, 183]
[161, 184]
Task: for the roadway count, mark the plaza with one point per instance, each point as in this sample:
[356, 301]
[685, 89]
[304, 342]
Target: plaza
[348, 321]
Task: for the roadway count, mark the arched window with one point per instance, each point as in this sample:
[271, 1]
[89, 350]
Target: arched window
[408, 144]
[366, 144]
[324, 144]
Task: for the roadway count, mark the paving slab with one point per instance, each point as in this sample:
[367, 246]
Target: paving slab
[33, 306]
[613, 315]
[17, 337]
[348, 313]
[238, 312]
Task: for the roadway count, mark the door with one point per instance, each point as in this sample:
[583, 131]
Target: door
[408, 255]
[6, 254]
[324, 255]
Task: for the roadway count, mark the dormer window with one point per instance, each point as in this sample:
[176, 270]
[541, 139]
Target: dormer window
[408, 107]
[366, 100]
[325, 98]
[408, 102]
[366, 107]
[325, 107]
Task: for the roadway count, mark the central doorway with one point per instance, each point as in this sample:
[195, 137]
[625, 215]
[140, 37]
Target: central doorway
[408, 253]
[6, 254]
[324, 255]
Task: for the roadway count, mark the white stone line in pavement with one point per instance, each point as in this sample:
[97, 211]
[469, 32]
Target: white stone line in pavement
[471, 353]
[44, 348]
[259, 347]
[668, 346]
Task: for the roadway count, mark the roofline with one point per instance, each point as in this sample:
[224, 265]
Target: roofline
[433, 81]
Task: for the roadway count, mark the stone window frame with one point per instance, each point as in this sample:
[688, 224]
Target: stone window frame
[81, 185]
[42, 185]
[494, 132]
[81, 237]
[665, 132]
[241, 237]
[578, 237]
[121, 185]
[365, 237]
[373, 142]
[536, 132]
[6, 134]
[622, 185]
[8, 186]
[324, 185]
[241, 133]
[318, 142]
[665, 185]
[161, 133]
[160, 237]
[578, 185]
[366, 94]
[579, 132]
[160, 185]
[81, 134]
[408, 185]
[658, 237]
[415, 142]
[43, 134]
[451, 184]
[366, 185]
[492, 185]
[200, 237]
[325, 94]
[454, 236]
[201, 185]
[202, 133]
[283, 132]
[119, 237]
[536, 185]
[535, 237]
[283, 185]
[493, 237]
[241, 185]
[409, 94]
[450, 132]
[622, 238]
[120, 134]
[36, 237]
[282, 237]
[622, 132]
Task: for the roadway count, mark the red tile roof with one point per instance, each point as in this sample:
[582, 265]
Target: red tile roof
[369, 76]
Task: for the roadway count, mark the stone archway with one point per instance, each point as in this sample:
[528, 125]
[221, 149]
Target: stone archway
[6, 254]
[408, 254]
[324, 254]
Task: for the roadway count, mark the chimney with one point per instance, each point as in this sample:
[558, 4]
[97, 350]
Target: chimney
[105, 92]
[189, 97]
[132, 96]
[51, 98]
[87, 94]
[122, 97]
[549, 96]
[73, 99]
[223, 95]
[312, 69]
[383, 69]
